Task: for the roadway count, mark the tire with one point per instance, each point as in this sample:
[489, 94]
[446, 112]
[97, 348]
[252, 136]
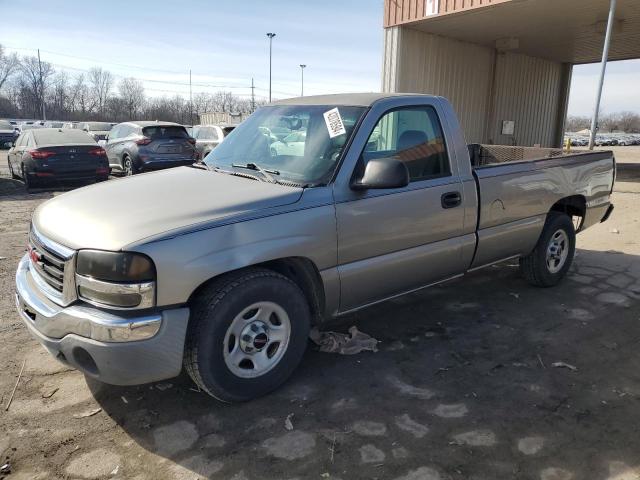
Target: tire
[28, 184]
[128, 166]
[11, 172]
[550, 260]
[231, 350]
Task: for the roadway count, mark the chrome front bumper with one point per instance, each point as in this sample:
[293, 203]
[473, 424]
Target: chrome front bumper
[114, 348]
[56, 321]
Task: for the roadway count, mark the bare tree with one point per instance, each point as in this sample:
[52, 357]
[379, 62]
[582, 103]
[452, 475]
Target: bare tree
[629, 121]
[8, 65]
[576, 123]
[35, 77]
[100, 85]
[608, 122]
[132, 93]
[59, 96]
[79, 97]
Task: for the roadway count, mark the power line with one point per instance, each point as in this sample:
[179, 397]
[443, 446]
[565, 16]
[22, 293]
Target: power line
[212, 85]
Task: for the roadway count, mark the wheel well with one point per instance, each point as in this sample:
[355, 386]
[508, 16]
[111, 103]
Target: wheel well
[302, 271]
[574, 206]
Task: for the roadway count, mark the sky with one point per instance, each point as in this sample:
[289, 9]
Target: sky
[224, 44]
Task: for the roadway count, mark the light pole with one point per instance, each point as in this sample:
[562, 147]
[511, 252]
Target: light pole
[603, 68]
[302, 67]
[270, 35]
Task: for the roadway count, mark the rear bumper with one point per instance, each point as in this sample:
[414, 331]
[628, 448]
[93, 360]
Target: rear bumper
[596, 214]
[159, 163]
[112, 348]
[65, 177]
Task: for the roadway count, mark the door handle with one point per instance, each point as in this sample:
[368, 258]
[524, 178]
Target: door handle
[451, 199]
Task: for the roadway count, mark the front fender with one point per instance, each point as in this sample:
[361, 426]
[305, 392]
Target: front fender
[185, 262]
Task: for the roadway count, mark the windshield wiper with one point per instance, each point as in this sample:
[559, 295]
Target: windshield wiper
[254, 166]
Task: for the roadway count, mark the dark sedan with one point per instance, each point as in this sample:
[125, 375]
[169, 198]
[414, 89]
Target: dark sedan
[51, 156]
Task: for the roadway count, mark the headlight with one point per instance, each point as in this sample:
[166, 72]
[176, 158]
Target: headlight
[115, 279]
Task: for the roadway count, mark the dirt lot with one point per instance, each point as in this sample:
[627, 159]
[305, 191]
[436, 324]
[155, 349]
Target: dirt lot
[464, 385]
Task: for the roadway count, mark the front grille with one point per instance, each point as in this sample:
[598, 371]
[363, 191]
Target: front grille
[48, 264]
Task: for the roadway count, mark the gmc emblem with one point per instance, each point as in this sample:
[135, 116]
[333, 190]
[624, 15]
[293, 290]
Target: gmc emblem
[34, 256]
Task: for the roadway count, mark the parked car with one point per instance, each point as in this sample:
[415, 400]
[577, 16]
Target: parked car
[134, 147]
[224, 269]
[46, 156]
[8, 134]
[292, 144]
[208, 137]
[98, 130]
[53, 124]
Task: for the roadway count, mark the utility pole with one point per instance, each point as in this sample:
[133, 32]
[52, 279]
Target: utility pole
[603, 68]
[302, 67]
[44, 115]
[253, 97]
[190, 101]
[270, 35]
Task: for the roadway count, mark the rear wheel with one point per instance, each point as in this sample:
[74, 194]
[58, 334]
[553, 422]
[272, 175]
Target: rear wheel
[127, 166]
[553, 254]
[247, 333]
[28, 183]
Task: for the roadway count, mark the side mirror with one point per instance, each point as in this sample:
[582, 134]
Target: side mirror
[382, 173]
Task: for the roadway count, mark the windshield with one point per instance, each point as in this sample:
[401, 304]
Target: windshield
[99, 126]
[291, 140]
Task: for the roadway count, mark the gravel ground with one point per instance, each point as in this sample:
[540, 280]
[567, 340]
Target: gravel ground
[464, 385]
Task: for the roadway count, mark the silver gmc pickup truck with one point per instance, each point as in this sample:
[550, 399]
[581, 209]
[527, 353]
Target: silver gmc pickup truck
[225, 266]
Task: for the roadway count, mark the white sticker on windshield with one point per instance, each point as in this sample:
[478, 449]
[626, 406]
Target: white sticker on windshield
[334, 123]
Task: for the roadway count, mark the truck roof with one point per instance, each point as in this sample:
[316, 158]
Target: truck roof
[363, 99]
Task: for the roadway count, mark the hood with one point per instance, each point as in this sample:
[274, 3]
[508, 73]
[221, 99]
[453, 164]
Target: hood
[111, 215]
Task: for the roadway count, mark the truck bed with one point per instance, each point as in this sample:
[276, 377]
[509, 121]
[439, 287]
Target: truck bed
[517, 186]
[492, 155]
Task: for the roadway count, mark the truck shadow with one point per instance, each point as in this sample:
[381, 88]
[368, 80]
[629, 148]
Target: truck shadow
[467, 381]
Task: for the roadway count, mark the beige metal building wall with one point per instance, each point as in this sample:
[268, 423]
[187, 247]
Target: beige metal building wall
[531, 92]
[484, 86]
[419, 62]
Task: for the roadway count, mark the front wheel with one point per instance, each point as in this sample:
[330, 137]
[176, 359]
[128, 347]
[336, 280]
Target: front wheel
[553, 254]
[247, 334]
[11, 172]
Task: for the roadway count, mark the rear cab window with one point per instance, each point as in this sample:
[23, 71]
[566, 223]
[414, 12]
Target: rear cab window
[414, 136]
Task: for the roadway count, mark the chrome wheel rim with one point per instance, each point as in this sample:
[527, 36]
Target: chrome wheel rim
[128, 167]
[557, 251]
[257, 339]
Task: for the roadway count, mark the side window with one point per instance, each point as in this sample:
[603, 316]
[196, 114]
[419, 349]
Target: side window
[414, 136]
[20, 140]
[114, 134]
[29, 141]
[125, 131]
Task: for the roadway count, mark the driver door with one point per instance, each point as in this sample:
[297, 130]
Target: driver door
[392, 241]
